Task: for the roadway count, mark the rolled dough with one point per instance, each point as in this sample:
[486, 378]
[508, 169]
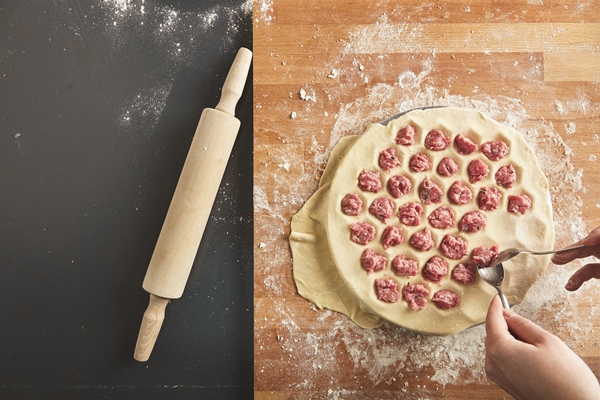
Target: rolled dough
[326, 263]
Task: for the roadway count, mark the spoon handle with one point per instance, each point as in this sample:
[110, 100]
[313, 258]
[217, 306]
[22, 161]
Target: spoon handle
[503, 298]
[541, 253]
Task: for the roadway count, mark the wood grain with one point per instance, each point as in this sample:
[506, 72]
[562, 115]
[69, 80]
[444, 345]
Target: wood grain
[537, 60]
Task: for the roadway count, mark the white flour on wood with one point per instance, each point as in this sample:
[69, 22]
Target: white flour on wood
[381, 354]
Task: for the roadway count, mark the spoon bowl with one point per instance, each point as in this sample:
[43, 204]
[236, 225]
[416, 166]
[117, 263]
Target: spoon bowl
[494, 275]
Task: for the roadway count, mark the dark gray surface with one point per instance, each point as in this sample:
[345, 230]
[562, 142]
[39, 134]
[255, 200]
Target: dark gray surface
[99, 101]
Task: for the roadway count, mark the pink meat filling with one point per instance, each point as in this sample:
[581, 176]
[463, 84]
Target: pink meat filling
[436, 140]
[420, 163]
[454, 247]
[372, 262]
[464, 145]
[382, 208]
[482, 256]
[495, 149]
[392, 236]
[399, 185]
[488, 199]
[430, 192]
[473, 221]
[406, 136]
[369, 181]
[351, 204]
[415, 295]
[447, 167]
[477, 171]
[506, 176]
[422, 240]
[446, 299]
[435, 269]
[459, 193]
[405, 266]
[519, 204]
[388, 159]
[387, 290]
[362, 232]
[442, 217]
[464, 273]
[410, 214]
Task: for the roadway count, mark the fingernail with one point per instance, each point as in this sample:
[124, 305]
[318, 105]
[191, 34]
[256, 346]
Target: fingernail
[569, 285]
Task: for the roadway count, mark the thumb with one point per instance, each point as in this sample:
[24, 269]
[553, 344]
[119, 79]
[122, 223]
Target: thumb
[524, 329]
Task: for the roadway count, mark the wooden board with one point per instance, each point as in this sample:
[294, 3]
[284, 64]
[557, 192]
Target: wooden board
[323, 70]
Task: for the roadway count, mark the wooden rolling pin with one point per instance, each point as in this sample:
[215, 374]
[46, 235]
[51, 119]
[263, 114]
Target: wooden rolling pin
[192, 202]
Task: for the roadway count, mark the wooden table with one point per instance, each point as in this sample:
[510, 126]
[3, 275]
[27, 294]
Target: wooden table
[326, 69]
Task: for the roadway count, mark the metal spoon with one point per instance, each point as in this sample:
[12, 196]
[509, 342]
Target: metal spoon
[514, 251]
[494, 275]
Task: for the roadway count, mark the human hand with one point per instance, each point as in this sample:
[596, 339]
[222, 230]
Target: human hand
[537, 365]
[588, 271]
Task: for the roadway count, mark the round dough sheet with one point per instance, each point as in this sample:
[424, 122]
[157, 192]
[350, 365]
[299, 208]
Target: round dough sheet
[533, 229]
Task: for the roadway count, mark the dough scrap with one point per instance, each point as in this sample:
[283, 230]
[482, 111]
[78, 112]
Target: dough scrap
[326, 264]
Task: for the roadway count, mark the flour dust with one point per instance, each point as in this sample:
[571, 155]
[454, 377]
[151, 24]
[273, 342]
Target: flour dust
[381, 354]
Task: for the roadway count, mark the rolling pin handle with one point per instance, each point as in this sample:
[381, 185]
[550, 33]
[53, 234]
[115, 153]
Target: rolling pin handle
[151, 324]
[235, 81]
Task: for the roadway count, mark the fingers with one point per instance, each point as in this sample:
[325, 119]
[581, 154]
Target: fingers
[593, 238]
[583, 274]
[525, 330]
[568, 256]
[592, 243]
[495, 325]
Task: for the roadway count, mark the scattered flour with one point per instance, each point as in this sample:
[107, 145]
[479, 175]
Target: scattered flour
[383, 354]
[175, 38]
[146, 107]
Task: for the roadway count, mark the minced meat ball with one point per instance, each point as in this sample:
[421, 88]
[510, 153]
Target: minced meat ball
[362, 232]
[405, 266]
[415, 295]
[372, 262]
[351, 204]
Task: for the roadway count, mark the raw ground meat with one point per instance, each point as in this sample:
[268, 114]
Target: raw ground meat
[436, 140]
[420, 162]
[454, 247]
[387, 290]
[410, 214]
[488, 199]
[392, 236]
[405, 266]
[482, 256]
[422, 240]
[399, 185]
[446, 299]
[519, 204]
[435, 269]
[416, 296]
[506, 176]
[495, 149]
[406, 136]
[430, 192]
[477, 171]
[464, 273]
[362, 232]
[372, 262]
[459, 193]
[447, 167]
[369, 181]
[473, 221]
[351, 204]
[464, 145]
[382, 208]
[442, 217]
[388, 159]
